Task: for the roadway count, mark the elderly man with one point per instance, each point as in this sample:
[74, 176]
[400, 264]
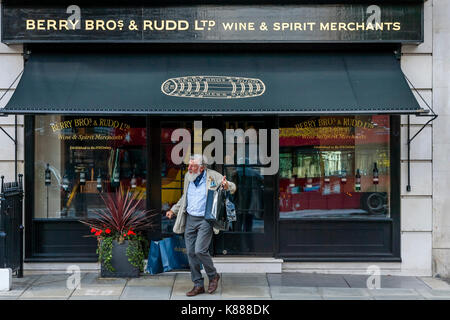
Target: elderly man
[190, 213]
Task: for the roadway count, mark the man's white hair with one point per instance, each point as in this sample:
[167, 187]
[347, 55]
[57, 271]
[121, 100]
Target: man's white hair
[199, 159]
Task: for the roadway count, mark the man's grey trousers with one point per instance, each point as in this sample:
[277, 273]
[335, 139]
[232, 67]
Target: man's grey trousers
[198, 235]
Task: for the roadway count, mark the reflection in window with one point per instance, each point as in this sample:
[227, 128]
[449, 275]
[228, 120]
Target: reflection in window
[334, 167]
[248, 198]
[172, 175]
[246, 174]
[86, 157]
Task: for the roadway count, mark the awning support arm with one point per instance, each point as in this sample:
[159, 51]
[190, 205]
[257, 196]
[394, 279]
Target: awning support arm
[433, 116]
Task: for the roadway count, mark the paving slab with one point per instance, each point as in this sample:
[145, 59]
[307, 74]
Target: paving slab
[9, 297]
[245, 291]
[103, 291]
[343, 292]
[153, 280]
[94, 298]
[48, 286]
[348, 298]
[435, 283]
[43, 298]
[435, 294]
[53, 280]
[360, 281]
[256, 300]
[46, 292]
[94, 280]
[392, 292]
[245, 286]
[244, 279]
[25, 280]
[297, 279]
[294, 293]
[16, 291]
[400, 297]
[146, 293]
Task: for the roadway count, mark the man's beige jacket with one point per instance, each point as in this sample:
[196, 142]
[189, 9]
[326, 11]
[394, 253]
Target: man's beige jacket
[179, 209]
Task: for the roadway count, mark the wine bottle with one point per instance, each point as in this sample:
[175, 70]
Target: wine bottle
[344, 177]
[133, 181]
[116, 171]
[327, 178]
[375, 173]
[99, 181]
[48, 176]
[358, 181]
[308, 181]
[82, 177]
[65, 183]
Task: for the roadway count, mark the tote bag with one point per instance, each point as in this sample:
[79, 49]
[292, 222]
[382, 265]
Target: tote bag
[173, 253]
[154, 263]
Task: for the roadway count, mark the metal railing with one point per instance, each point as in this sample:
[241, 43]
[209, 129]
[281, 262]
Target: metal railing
[11, 226]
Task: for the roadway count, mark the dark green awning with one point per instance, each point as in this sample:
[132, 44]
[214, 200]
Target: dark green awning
[185, 83]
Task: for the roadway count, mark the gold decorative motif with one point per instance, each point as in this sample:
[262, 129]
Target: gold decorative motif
[213, 87]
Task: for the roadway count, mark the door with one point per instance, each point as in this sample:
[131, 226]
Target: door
[252, 232]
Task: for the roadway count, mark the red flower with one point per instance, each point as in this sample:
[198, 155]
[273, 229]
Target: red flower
[108, 231]
[98, 233]
[93, 230]
[131, 232]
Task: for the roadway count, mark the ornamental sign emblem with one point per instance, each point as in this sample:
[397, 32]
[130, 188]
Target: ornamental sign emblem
[213, 87]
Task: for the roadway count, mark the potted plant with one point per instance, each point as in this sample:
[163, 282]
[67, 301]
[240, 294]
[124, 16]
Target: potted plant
[118, 228]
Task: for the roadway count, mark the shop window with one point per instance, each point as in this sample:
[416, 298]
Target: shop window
[79, 158]
[334, 167]
[248, 199]
[247, 175]
[172, 175]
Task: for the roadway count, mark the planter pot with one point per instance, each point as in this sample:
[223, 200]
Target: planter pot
[123, 268]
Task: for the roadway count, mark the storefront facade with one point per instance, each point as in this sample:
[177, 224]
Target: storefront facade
[97, 116]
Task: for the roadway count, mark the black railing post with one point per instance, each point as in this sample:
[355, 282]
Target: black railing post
[21, 227]
[20, 270]
[3, 262]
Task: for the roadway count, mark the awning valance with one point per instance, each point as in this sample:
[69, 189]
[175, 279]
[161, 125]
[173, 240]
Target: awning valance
[186, 83]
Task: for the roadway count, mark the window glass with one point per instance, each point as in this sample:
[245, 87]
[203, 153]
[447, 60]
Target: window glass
[334, 167]
[78, 158]
[248, 199]
[172, 175]
[245, 172]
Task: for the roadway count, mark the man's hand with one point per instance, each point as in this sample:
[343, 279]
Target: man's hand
[170, 214]
[225, 183]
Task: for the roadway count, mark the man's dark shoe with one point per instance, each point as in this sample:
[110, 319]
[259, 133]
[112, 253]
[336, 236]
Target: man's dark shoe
[195, 291]
[213, 283]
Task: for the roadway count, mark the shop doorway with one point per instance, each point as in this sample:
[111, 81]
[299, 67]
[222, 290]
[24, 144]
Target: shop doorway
[253, 231]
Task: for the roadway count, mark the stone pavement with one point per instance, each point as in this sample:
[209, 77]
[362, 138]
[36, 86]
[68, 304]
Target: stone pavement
[286, 286]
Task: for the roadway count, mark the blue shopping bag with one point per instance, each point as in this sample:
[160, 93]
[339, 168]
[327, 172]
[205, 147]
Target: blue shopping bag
[154, 264]
[173, 253]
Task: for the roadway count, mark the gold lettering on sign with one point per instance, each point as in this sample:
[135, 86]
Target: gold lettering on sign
[207, 25]
[50, 25]
[89, 122]
[359, 26]
[165, 25]
[61, 125]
